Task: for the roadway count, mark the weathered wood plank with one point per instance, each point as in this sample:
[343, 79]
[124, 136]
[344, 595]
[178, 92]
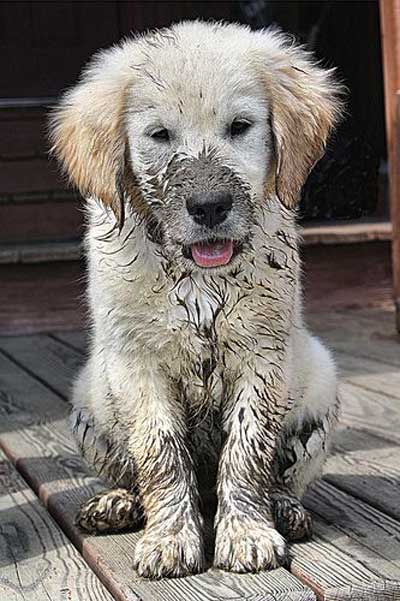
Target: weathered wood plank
[347, 277]
[365, 334]
[347, 232]
[41, 297]
[57, 365]
[372, 319]
[371, 411]
[48, 359]
[356, 528]
[20, 395]
[334, 562]
[361, 333]
[381, 317]
[367, 467]
[37, 561]
[45, 455]
[77, 340]
[369, 374]
[375, 591]
[390, 26]
[62, 482]
[334, 575]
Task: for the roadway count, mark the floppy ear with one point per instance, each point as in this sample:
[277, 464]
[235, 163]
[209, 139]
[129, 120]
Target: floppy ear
[87, 129]
[305, 105]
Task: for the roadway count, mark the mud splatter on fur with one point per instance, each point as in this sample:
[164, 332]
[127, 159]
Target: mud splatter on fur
[199, 374]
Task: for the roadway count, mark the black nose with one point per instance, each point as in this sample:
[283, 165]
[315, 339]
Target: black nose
[209, 208]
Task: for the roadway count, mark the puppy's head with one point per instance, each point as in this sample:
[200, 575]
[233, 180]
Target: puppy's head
[196, 126]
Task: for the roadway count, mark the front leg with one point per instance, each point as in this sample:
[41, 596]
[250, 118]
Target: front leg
[172, 543]
[246, 538]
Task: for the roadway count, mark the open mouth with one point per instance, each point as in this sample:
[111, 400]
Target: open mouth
[212, 253]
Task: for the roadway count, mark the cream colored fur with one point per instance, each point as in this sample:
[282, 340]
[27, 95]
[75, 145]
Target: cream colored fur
[191, 368]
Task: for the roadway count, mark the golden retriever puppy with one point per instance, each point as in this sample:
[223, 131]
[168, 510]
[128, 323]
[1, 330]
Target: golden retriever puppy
[191, 145]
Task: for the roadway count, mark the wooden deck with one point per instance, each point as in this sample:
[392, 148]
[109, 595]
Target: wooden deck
[354, 555]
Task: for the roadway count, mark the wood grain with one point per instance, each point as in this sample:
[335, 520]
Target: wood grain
[366, 467]
[37, 561]
[362, 334]
[50, 297]
[40, 252]
[370, 396]
[356, 528]
[390, 27]
[64, 484]
[336, 560]
[369, 374]
[44, 454]
[333, 574]
[375, 591]
[351, 232]
[77, 340]
[22, 395]
[370, 411]
[347, 276]
[41, 297]
[46, 358]
[44, 221]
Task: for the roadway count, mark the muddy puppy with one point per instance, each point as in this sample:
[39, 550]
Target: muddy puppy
[191, 145]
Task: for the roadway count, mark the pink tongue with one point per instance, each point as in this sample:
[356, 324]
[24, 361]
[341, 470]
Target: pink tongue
[212, 255]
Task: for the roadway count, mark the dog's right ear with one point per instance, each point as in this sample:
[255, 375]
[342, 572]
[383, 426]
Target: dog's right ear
[87, 129]
[305, 101]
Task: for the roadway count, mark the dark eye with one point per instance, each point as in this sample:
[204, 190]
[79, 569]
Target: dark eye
[161, 135]
[239, 127]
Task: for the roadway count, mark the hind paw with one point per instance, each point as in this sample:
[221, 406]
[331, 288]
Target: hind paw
[291, 519]
[110, 511]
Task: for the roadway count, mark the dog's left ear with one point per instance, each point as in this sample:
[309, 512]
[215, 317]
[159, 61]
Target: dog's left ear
[87, 129]
[305, 105]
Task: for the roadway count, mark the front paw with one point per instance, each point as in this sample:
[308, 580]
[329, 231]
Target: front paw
[170, 553]
[247, 545]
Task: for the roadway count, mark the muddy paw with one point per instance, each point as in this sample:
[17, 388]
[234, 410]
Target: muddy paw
[109, 511]
[161, 553]
[291, 519]
[246, 545]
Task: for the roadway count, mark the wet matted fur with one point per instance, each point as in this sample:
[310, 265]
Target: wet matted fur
[199, 373]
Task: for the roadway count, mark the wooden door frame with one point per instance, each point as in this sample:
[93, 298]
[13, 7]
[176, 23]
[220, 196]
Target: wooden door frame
[390, 28]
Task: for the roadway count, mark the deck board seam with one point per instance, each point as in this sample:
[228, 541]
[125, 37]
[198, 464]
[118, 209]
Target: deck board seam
[365, 428]
[343, 380]
[366, 387]
[65, 343]
[32, 374]
[362, 356]
[346, 533]
[353, 494]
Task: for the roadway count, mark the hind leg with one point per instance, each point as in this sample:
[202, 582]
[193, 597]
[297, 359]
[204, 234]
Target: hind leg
[300, 459]
[112, 510]
[115, 509]
[305, 441]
